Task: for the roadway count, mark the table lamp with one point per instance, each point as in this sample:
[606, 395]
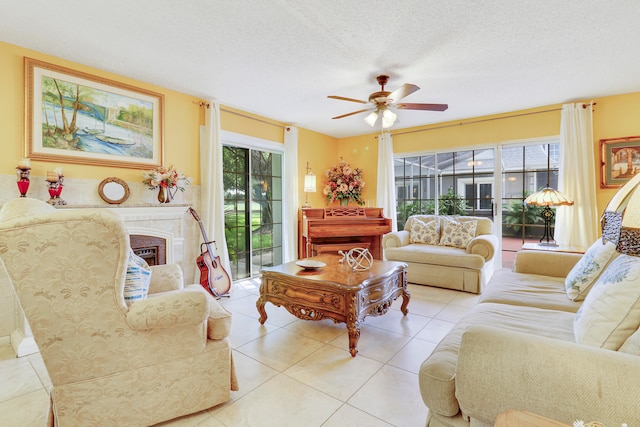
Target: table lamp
[548, 197]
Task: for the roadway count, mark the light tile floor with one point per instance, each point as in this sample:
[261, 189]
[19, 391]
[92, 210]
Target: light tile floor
[293, 372]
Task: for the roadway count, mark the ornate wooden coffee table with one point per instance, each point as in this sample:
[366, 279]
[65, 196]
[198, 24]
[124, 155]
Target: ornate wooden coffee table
[335, 292]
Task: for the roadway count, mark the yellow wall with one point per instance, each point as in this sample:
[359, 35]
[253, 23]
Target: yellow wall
[238, 121]
[321, 153]
[362, 151]
[614, 116]
[181, 121]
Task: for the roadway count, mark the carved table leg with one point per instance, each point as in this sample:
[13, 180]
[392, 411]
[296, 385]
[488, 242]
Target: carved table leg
[260, 306]
[406, 296]
[405, 302]
[354, 335]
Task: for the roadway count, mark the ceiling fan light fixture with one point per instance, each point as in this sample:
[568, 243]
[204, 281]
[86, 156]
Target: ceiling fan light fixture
[388, 118]
[382, 99]
[371, 118]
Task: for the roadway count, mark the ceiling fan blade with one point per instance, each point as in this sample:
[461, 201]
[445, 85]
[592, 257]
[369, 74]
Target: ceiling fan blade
[404, 90]
[430, 107]
[342, 98]
[351, 114]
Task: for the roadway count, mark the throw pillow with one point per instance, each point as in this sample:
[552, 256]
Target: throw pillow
[457, 233]
[586, 271]
[136, 284]
[611, 311]
[424, 232]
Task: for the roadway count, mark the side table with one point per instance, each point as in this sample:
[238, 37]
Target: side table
[514, 418]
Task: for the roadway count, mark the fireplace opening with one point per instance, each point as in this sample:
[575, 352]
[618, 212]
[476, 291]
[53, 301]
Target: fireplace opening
[150, 248]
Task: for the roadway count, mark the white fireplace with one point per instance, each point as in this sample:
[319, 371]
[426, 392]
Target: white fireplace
[165, 222]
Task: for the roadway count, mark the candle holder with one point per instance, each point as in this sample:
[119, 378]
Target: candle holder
[55, 189]
[23, 181]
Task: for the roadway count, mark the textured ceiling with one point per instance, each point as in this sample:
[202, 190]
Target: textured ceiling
[281, 59]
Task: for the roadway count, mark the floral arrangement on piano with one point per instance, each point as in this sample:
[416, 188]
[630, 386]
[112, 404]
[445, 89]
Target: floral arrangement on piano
[344, 184]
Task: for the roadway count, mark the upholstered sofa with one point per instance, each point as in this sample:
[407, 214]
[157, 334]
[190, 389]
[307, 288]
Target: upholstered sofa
[112, 361]
[557, 336]
[454, 252]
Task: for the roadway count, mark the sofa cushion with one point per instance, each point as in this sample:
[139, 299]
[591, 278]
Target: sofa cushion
[437, 373]
[424, 232]
[611, 311]
[457, 234]
[533, 290]
[435, 255]
[137, 279]
[585, 273]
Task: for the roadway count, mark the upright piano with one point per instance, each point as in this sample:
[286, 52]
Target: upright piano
[322, 230]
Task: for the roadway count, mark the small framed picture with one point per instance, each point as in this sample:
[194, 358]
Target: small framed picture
[620, 160]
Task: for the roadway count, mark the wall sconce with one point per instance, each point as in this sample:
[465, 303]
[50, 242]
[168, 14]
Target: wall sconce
[309, 186]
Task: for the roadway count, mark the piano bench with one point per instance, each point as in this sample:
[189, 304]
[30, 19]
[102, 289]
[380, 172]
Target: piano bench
[323, 248]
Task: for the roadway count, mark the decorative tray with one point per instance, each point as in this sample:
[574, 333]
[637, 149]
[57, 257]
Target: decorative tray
[309, 264]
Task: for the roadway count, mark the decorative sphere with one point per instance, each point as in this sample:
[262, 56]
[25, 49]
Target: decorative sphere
[359, 259]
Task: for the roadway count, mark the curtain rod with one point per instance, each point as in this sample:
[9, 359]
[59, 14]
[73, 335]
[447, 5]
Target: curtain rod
[251, 118]
[487, 120]
[207, 106]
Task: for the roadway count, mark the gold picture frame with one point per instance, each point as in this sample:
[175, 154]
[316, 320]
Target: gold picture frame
[76, 117]
[619, 160]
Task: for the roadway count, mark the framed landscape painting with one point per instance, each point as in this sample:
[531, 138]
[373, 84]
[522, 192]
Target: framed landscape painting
[75, 117]
[620, 160]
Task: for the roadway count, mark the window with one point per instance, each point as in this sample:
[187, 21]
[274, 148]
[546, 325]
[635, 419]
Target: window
[463, 183]
[452, 183]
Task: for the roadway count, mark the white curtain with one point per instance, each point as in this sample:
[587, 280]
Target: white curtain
[386, 191]
[290, 194]
[211, 185]
[577, 225]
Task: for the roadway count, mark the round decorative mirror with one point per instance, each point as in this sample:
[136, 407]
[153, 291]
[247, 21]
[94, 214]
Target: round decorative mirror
[113, 190]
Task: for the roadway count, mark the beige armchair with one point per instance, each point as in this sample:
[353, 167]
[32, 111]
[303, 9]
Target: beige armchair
[163, 357]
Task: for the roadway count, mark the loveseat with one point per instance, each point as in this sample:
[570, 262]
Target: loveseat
[454, 252]
[557, 336]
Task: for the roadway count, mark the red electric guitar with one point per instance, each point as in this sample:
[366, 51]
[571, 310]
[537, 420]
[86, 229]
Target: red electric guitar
[213, 277]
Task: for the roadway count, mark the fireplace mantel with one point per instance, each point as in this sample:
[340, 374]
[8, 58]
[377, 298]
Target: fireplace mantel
[142, 211]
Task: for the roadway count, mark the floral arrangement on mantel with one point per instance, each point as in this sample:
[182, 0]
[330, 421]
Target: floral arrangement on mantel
[344, 184]
[168, 178]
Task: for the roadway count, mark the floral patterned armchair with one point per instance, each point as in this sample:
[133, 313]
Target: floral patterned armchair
[111, 364]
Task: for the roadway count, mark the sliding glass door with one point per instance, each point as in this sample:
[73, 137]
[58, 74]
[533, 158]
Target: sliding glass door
[253, 209]
[526, 168]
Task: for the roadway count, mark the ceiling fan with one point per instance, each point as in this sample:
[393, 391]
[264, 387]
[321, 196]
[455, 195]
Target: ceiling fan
[382, 100]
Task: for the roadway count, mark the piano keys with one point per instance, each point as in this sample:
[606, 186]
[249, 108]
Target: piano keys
[322, 230]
